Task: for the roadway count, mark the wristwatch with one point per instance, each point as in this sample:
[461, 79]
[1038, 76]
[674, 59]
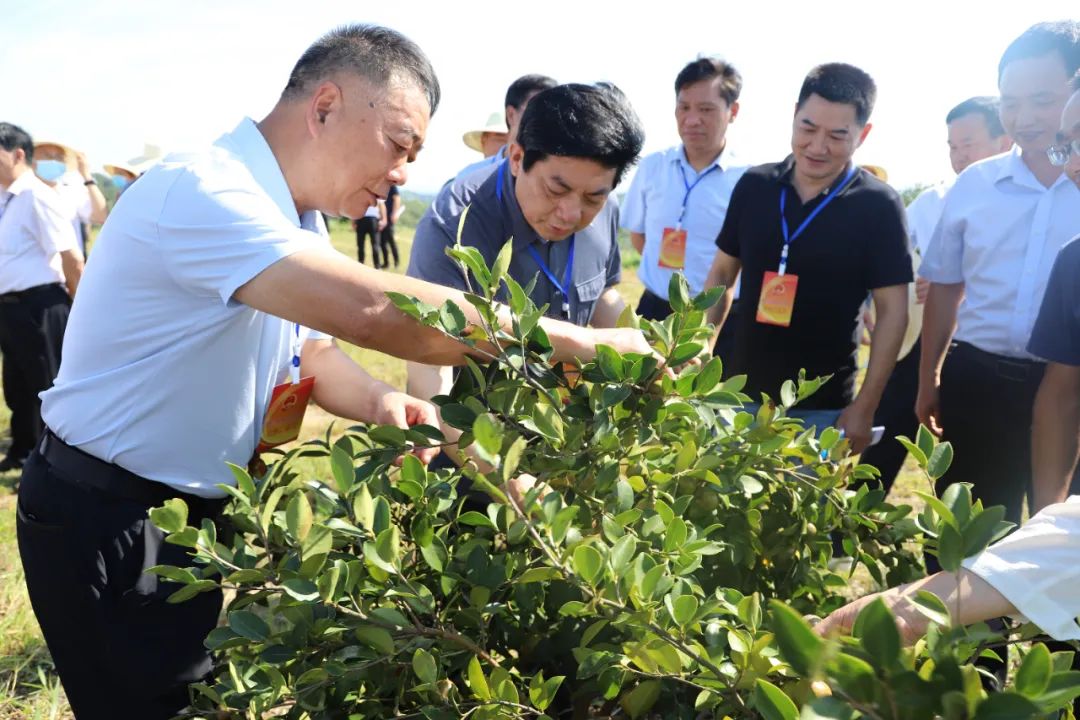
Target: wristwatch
[90, 182]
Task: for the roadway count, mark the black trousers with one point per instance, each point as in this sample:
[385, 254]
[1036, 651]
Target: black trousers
[389, 245]
[119, 648]
[653, 307]
[367, 228]
[32, 324]
[897, 413]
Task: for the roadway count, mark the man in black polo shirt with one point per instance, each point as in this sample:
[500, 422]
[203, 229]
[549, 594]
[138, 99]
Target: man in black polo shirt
[813, 236]
[550, 198]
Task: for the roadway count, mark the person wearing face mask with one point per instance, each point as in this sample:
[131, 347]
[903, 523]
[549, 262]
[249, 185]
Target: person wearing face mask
[121, 176]
[1004, 221]
[68, 172]
[813, 236]
[551, 199]
[40, 269]
[192, 319]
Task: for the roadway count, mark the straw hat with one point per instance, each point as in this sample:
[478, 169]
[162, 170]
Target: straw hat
[496, 123]
[877, 171]
[69, 154]
[121, 169]
[151, 154]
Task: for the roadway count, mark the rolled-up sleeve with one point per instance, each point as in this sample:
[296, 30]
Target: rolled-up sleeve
[1037, 569]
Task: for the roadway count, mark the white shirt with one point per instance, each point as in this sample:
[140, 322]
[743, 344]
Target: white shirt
[163, 373]
[1036, 569]
[653, 203]
[999, 234]
[35, 228]
[924, 212]
[76, 194]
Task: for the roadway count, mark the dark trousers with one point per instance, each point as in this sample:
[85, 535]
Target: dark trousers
[367, 228]
[389, 245]
[653, 307]
[896, 413]
[32, 324]
[119, 648]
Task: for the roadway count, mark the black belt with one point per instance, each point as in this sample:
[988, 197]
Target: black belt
[1002, 366]
[80, 468]
[17, 295]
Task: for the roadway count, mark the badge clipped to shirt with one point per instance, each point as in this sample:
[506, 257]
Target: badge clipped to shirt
[777, 301]
[288, 403]
[673, 249]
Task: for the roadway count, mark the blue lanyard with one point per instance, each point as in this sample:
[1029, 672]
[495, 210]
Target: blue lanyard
[568, 272]
[689, 189]
[788, 239]
[294, 366]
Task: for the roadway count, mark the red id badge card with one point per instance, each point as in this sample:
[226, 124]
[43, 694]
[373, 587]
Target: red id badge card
[673, 249]
[285, 415]
[777, 301]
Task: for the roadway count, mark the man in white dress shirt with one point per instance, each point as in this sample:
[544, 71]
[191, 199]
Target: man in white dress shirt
[988, 263]
[204, 279]
[40, 267]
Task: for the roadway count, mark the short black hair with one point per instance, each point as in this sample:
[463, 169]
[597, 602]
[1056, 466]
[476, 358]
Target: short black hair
[376, 53]
[842, 83]
[985, 105]
[707, 68]
[1061, 37]
[582, 121]
[13, 137]
[525, 86]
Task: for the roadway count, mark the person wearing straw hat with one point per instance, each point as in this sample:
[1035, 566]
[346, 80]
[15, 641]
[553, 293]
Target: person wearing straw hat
[40, 268]
[214, 290]
[67, 171]
[489, 139]
[123, 174]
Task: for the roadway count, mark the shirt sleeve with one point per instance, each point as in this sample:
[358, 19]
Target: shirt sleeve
[215, 236]
[889, 251]
[632, 209]
[614, 260]
[1035, 569]
[54, 225]
[728, 239]
[428, 259]
[942, 262]
[1056, 336]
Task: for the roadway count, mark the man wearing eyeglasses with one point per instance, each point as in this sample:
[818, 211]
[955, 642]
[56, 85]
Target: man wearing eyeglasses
[988, 263]
[1056, 339]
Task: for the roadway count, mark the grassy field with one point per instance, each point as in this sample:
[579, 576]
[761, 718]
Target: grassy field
[29, 689]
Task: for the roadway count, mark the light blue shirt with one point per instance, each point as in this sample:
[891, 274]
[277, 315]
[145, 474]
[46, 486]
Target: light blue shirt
[999, 233]
[654, 201]
[487, 162]
[163, 373]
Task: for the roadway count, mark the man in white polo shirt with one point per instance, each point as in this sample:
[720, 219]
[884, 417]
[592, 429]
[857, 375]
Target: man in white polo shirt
[679, 197]
[40, 267]
[195, 307]
[988, 263]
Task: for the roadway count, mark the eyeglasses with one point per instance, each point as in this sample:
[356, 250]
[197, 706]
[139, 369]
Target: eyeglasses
[1059, 154]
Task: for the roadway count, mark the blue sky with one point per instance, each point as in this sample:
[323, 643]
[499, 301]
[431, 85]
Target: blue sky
[107, 75]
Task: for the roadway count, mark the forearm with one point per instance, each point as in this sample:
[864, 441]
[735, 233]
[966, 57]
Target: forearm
[721, 273]
[1054, 436]
[342, 387]
[969, 598]
[71, 263]
[608, 309]
[939, 323]
[638, 241]
[97, 204]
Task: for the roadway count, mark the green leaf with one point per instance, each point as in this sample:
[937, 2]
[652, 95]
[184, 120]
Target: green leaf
[827, 708]
[341, 465]
[1034, 674]
[981, 530]
[678, 292]
[685, 352]
[876, 629]
[854, 676]
[950, 549]
[176, 574]
[298, 516]
[170, 517]
[683, 609]
[388, 546]
[622, 552]
[477, 682]
[547, 422]
[787, 393]
[932, 607]
[538, 574]
[487, 436]
[512, 458]
[800, 646]
[424, 666]
[916, 453]
[300, 589]
[319, 541]
[364, 508]
[476, 520]
[925, 441]
[939, 461]
[772, 703]
[244, 483]
[708, 376]
[610, 362]
[640, 700]
[248, 624]
[709, 297]
[1006, 706]
[542, 692]
[191, 590]
[1064, 687]
[588, 563]
[377, 638]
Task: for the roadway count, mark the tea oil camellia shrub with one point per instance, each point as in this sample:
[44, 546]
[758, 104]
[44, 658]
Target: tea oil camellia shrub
[661, 568]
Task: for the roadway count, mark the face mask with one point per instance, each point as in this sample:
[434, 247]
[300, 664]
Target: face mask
[50, 170]
[119, 182]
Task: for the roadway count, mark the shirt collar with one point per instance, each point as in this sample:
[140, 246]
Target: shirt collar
[521, 231]
[25, 181]
[247, 141]
[786, 170]
[724, 160]
[1014, 168]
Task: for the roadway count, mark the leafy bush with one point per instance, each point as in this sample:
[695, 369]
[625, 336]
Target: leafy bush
[638, 586]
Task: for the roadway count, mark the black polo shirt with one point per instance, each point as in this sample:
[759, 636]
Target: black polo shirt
[856, 244]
